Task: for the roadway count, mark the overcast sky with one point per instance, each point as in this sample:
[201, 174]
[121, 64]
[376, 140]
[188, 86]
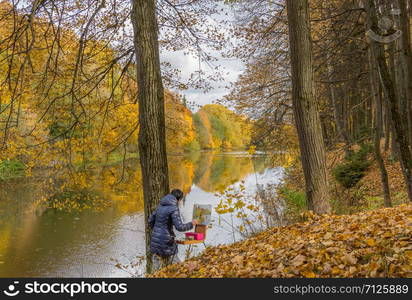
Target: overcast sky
[188, 64]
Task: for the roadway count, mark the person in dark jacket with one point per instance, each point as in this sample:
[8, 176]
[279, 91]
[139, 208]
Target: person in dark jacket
[162, 221]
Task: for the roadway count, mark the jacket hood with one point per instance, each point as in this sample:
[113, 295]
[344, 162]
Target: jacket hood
[168, 200]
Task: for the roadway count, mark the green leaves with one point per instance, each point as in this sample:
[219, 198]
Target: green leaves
[350, 173]
[11, 169]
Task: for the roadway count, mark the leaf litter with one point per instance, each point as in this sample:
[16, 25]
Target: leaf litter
[376, 243]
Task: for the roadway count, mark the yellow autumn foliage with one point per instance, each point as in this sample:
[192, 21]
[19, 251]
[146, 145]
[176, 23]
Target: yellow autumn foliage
[375, 243]
[218, 127]
[78, 120]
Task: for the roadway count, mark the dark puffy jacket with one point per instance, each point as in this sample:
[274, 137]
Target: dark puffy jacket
[161, 221]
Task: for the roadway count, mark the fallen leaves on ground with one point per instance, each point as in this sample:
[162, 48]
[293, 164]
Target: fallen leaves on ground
[376, 243]
[372, 181]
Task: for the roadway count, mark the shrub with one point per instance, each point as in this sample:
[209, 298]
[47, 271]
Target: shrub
[353, 170]
[349, 174]
[192, 146]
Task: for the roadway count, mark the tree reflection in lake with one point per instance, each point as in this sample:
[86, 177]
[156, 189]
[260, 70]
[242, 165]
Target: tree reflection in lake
[66, 241]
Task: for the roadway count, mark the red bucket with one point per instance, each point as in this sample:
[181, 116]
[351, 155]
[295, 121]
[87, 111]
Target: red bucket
[195, 236]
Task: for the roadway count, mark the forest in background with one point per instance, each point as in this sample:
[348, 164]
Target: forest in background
[352, 133]
[41, 127]
[328, 82]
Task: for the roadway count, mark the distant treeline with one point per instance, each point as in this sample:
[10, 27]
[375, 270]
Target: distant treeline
[63, 117]
[212, 127]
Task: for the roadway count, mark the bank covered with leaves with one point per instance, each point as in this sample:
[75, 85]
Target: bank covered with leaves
[375, 243]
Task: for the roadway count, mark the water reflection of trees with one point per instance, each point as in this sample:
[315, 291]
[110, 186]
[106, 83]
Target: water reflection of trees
[210, 171]
[24, 227]
[120, 184]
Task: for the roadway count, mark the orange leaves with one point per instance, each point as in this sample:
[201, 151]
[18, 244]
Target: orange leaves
[192, 265]
[180, 131]
[373, 244]
[349, 259]
[298, 260]
[237, 260]
[408, 254]
[308, 274]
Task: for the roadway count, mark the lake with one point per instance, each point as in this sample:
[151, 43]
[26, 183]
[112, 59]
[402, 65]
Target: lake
[39, 242]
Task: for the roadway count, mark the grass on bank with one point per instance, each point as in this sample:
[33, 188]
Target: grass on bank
[11, 169]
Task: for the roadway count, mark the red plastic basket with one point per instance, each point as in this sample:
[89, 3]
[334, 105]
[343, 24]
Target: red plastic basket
[195, 236]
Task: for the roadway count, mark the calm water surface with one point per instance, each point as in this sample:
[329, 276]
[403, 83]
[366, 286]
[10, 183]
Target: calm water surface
[46, 243]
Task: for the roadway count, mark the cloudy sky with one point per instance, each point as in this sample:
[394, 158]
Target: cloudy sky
[188, 64]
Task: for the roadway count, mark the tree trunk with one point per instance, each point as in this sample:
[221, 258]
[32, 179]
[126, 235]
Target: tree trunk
[391, 65]
[377, 97]
[407, 61]
[152, 137]
[305, 107]
[340, 126]
[400, 52]
[381, 165]
[399, 123]
[387, 127]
